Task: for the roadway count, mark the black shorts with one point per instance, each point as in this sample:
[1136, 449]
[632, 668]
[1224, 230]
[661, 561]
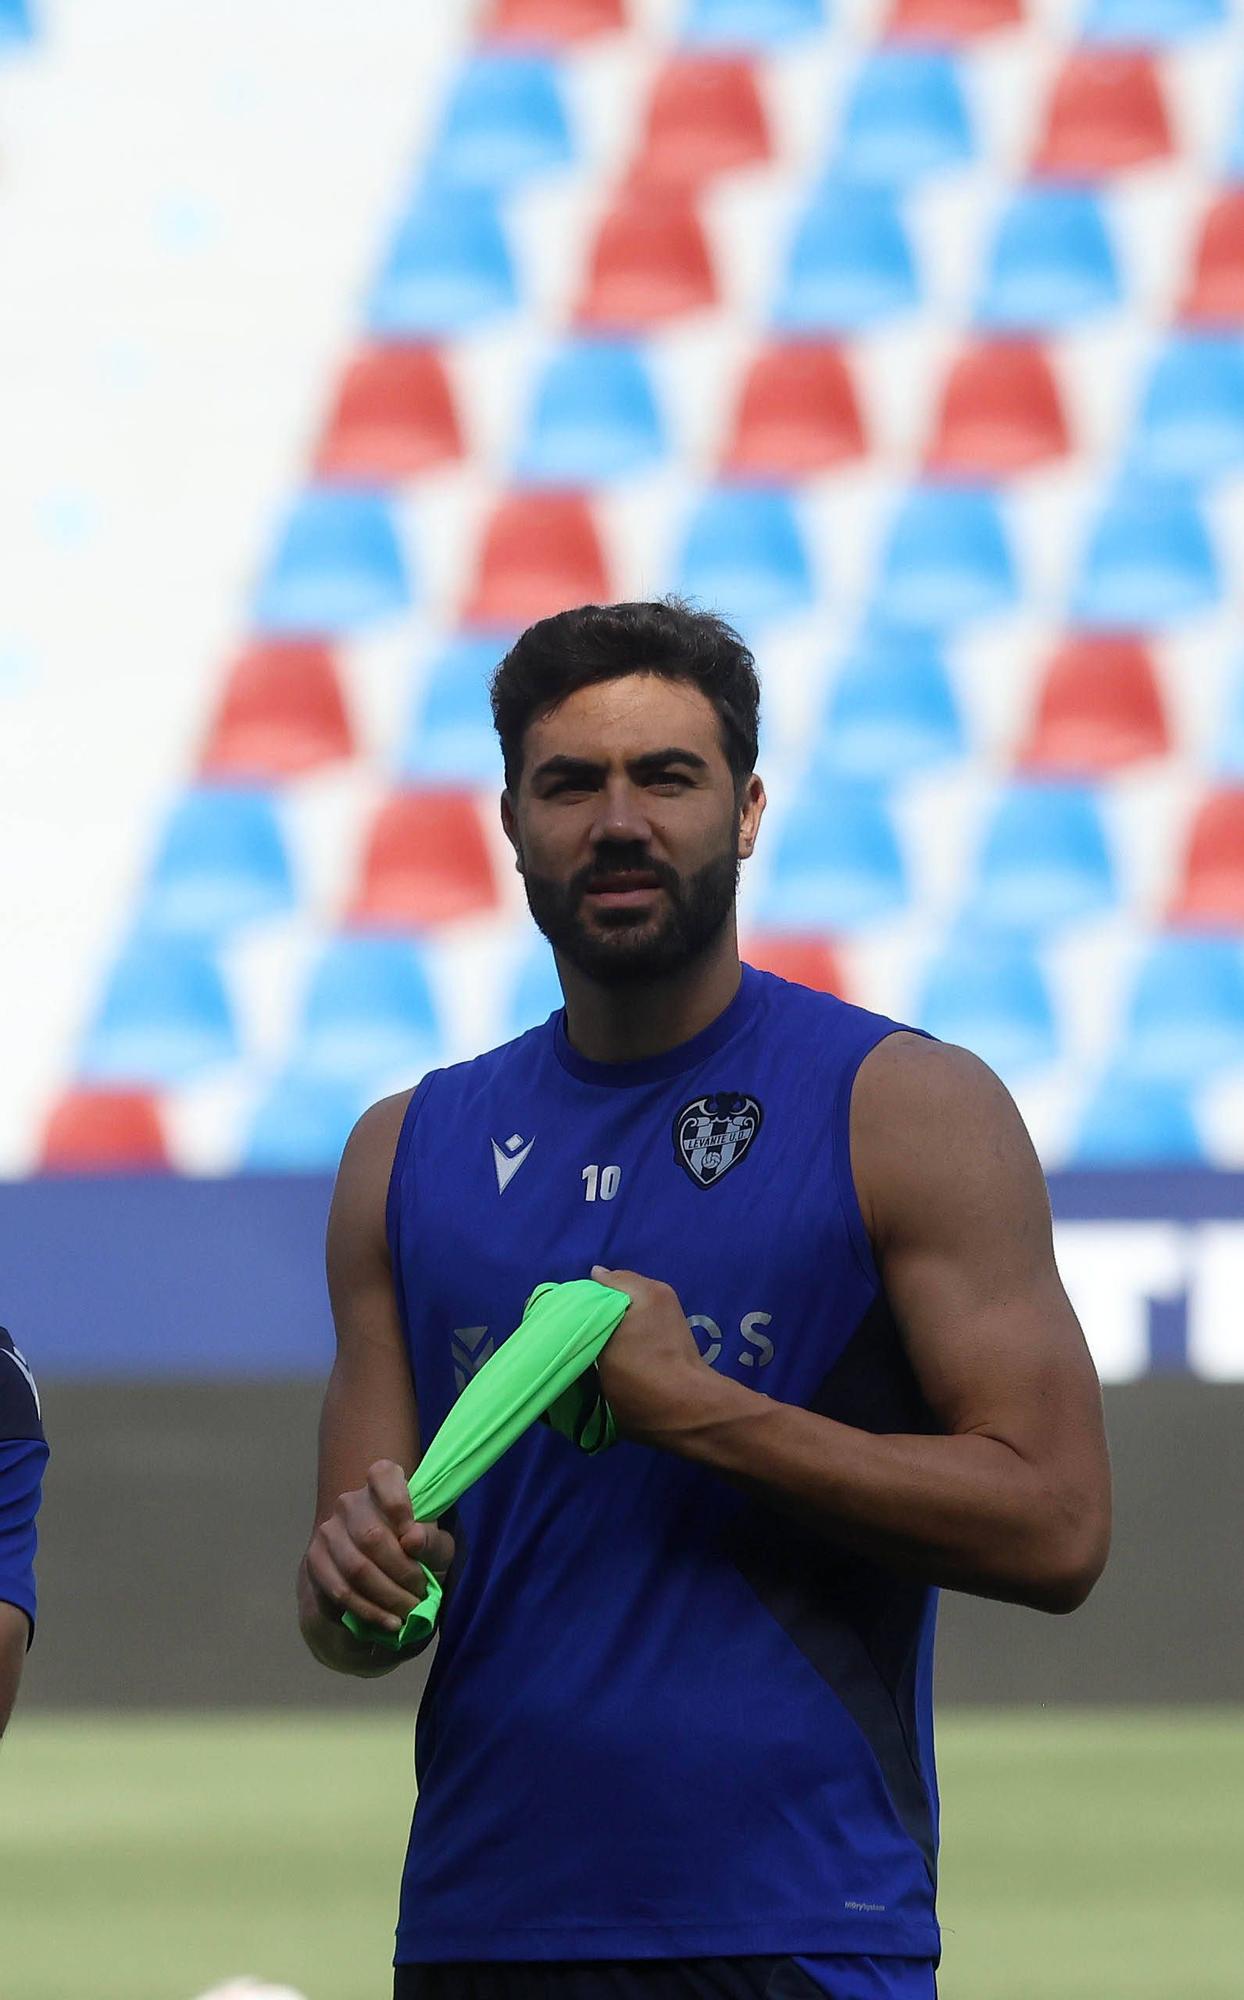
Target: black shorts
[851, 1978]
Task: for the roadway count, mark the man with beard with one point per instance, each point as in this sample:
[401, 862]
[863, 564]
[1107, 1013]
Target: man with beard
[677, 1735]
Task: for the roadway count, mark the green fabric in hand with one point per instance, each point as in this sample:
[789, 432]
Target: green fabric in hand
[546, 1369]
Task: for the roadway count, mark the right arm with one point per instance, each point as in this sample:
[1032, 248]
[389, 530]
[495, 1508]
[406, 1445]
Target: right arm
[366, 1551]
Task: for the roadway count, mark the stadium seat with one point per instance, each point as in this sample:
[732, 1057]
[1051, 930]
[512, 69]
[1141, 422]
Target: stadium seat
[744, 555]
[849, 266]
[426, 862]
[392, 419]
[905, 118]
[1099, 709]
[164, 1017]
[448, 268]
[594, 417]
[540, 553]
[104, 1131]
[504, 121]
[837, 865]
[938, 22]
[1191, 422]
[1140, 23]
[1215, 296]
[1149, 562]
[705, 117]
[1210, 894]
[797, 415]
[368, 1013]
[301, 1125]
[1228, 753]
[16, 22]
[804, 958]
[337, 565]
[450, 737]
[1044, 861]
[1106, 113]
[649, 263]
[1133, 1122]
[1185, 1012]
[890, 709]
[537, 990]
[550, 23]
[1000, 413]
[1233, 163]
[756, 24]
[990, 996]
[222, 863]
[946, 559]
[281, 713]
[1050, 264]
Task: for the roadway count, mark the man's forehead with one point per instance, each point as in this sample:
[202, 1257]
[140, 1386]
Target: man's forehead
[626, 716]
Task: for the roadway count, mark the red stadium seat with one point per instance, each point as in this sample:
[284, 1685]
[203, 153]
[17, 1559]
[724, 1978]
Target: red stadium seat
[705, 117]
[1106, 112]
[1211, 890]
[797, 415]
[1099, 709]
[950, 20]
[393, 418]
[1216, 294]
[545, 22]
[281, 713]
[649, 263]
[809, 961]
[426, 863]
[540, 554]
[100, 1131]
[1000, 413]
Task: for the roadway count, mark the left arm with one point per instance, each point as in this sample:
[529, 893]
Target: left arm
[14, 1638]
[1012, 1499]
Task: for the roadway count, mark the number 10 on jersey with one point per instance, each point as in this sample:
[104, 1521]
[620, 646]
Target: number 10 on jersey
[600, 1182]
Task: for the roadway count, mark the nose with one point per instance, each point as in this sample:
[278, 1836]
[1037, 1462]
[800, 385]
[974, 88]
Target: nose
[621, 818]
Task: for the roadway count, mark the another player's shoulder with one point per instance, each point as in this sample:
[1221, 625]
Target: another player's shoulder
[20, 1415]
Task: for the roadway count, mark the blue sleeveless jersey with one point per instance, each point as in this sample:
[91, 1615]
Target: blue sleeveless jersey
[663, 1720]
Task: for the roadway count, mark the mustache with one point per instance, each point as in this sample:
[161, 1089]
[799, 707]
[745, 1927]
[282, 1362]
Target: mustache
[622, 861]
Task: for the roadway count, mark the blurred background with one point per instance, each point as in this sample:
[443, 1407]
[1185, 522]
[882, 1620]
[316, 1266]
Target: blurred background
[336, 346]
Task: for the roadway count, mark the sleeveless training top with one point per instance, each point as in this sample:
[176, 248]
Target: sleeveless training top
[663, 1720]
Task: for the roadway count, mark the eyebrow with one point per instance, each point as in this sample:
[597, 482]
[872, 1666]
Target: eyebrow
[652, 760]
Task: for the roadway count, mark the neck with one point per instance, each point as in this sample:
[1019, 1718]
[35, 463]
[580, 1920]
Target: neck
[626, 1023]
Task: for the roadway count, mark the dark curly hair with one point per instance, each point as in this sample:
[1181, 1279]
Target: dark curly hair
[601, 642]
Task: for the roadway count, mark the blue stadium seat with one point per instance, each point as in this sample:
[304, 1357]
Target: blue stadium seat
[1185, 1015]
[448, 268]
[905, 118]
[1137, 23]
[164, 1018]
[16, 22]
[743, 24]
[222, 863]
[504, 121]
[946, 559]
[1051, 262]
[368, 1012]
[337, 565]
[537, 991]
[1233, 164]
[1191, 421]
[837, 864]
[744, 556]
[890, 708]
[1149, 562]
[1134, 1122]
[990, 995]
[450, 736]
[594, 417]
[1044, 861]
[1228, 755]
[301, 1125]
[850, 263]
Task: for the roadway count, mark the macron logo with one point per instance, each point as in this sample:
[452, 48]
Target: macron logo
[509, 1158]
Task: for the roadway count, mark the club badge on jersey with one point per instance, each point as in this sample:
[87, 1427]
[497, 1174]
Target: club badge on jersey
[713, 1134]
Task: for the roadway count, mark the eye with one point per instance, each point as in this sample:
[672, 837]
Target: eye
[669, 781]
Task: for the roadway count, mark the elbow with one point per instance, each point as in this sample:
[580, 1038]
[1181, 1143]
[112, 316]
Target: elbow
[1073, 1556]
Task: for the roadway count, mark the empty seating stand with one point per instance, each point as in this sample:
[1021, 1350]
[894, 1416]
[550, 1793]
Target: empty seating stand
[368, 1015]
[1000, 413]
[1106, 113]
[594, 417]
[282, 713]
[551, 23]
[705, 117]
[540, 553]
[91, 1131]
[850, 265]
[797, 415]
[1210, 891]
[393, 417]
[426, 862]
[505, 121]
[1099, 708]
[649, 263]
[905, 118]
[337, 566]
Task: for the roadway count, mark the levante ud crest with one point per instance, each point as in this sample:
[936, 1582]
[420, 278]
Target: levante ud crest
[713, 1134]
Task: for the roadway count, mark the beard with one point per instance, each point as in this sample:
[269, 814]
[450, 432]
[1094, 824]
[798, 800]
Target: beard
[622, 947]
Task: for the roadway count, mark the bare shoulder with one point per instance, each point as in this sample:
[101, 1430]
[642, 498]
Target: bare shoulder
[362, 1186]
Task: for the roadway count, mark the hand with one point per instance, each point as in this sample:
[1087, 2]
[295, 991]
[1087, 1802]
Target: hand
[652, 1374]
[367, 1556]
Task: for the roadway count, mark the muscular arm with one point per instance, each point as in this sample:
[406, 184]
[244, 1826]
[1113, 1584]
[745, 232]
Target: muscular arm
[14, 1635]
[1012, 1499]
[365, 1553]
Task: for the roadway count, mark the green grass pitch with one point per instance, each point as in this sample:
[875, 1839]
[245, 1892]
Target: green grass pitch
[1085, 1856]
